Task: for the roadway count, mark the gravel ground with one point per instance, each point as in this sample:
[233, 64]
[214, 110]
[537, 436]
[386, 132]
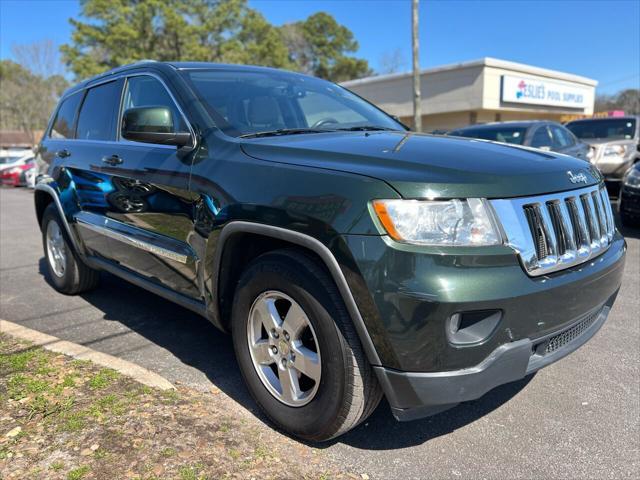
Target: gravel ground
[578, 418]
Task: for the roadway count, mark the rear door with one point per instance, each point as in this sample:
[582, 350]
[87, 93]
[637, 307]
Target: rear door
[137, 209]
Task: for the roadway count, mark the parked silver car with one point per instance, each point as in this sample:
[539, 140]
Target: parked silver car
[540, 134]
[614, 144]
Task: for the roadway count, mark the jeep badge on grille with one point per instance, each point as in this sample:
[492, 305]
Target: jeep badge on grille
[577, 178]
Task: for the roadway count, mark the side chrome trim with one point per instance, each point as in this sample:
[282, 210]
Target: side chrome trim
[314, 245]
[43, 187]
[114, 229]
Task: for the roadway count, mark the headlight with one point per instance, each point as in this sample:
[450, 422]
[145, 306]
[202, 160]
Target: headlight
[632, 178]
[434, 222]
[614, 152]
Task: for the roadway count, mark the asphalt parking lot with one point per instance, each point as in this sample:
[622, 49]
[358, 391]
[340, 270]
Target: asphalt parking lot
[579, 418]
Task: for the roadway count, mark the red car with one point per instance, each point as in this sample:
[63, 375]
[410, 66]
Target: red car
[14, 170]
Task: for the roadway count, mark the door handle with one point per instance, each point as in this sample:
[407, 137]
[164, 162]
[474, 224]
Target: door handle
[63, 153]
[112, 160]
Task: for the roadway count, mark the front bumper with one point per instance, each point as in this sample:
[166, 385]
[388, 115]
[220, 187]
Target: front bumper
[408, 297]
[416, 395]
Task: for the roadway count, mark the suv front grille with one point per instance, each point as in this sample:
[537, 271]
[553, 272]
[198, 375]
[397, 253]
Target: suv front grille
[554, 232]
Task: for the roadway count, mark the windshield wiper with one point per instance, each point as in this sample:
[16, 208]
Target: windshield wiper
[282, 131]
[366, 128]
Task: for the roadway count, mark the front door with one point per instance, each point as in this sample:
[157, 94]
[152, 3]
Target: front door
[138, 213]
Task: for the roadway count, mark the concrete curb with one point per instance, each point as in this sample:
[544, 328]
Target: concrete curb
[80, 352]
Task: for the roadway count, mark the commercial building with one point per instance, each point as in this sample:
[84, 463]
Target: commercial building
[480, 91]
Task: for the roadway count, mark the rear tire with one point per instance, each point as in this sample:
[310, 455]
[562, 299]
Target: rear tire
[347, 391]
[67, 272]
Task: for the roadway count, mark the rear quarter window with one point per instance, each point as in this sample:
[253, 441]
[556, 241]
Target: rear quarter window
[62, 127]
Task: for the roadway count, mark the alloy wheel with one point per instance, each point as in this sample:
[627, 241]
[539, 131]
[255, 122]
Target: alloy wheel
[284, 348]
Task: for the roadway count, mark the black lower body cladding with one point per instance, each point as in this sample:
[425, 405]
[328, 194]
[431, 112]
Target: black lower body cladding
[419, 298]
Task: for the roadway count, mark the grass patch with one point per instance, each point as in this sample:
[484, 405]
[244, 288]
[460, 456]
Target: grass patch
[20, 386]
[72, 422]
[168, 452]
[17, 362]
[57, 466]
[190, 472]
[78, 473]
[102, 379]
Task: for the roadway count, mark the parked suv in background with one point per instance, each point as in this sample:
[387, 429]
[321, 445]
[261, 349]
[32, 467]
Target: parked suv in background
[348, 257]
[630, 196]
[541, 134]
[614, 143]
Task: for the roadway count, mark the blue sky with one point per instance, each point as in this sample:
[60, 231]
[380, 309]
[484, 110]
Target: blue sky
[597, 39]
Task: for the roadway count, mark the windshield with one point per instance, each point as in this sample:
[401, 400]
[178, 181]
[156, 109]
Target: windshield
[498, 134]
[614, 129]
[245, 103]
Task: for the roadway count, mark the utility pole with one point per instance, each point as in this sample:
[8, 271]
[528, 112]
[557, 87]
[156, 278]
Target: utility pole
[417, 107]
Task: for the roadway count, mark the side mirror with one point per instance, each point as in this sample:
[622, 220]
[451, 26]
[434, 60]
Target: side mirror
[152, 125]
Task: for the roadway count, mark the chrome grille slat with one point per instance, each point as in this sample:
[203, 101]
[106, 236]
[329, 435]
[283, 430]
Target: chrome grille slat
[609, 213]
[570, 247]
[602, 221]
[557, 231]
[592, 221]
[584, 245]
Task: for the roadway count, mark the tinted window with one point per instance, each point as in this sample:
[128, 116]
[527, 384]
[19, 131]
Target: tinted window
[561, 137]
[497, 134]
[63, 123]
[611, 128]
[98, 111]
[541, 138]
[245, 102]
[146, 91]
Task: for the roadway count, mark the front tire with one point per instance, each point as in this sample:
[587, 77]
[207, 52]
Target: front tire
[67, 272]
[297, 349]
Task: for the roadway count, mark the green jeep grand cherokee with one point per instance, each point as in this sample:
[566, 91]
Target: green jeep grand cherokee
[349, 258]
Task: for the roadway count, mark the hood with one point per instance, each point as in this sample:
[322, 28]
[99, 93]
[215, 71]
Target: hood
[424, 166]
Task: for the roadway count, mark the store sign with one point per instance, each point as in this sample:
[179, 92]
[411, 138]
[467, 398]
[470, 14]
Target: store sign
[536, 91]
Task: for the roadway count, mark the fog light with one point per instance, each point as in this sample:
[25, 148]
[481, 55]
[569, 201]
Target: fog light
[469, 328]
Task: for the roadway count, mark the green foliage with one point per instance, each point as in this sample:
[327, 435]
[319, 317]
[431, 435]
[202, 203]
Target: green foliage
[228, 31]
[102, 379]
[27, 99]
[318, 45]
[78, 473]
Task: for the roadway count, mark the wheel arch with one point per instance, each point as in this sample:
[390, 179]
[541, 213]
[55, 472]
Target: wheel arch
[237, 240]
[45, 195]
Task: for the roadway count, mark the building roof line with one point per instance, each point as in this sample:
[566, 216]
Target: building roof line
[487, 62]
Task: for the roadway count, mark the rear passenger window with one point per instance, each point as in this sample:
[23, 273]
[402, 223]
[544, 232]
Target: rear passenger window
[98, 112]
[63, 123]
[146, 91]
